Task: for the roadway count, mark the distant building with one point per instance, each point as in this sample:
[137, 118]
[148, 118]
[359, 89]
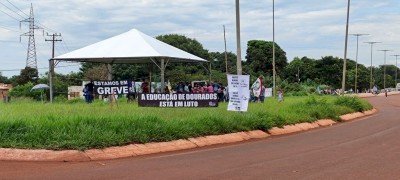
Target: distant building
[75, 92]
[4, 90]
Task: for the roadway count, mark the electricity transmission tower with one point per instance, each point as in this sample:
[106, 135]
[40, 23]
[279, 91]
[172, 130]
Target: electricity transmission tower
[31, 59]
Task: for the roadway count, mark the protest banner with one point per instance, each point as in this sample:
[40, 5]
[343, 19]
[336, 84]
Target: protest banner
[178, 100]
[268, 92]
[108, 87]
[239, 92]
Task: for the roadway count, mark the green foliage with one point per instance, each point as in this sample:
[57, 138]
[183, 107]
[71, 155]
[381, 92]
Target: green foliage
[77, 125]
[259, 57]
[355, 103]
[4, 79]
[27, 75]
[25, 91]
[186, 44]
[218, 62]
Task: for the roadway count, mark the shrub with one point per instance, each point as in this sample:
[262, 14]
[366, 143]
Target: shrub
[354, 103]
[25, 91]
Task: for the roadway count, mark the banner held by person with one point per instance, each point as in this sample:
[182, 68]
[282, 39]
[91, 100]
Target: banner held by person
[257, 86]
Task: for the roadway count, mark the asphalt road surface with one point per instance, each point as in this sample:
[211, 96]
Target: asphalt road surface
[368, 148]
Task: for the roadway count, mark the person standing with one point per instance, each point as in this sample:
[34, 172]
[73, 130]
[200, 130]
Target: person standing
[186, 88]
[90, 89]
[280, 95]
[262, 94]
[145, 87]
[210, 89]
[205, 88]
[190, 87]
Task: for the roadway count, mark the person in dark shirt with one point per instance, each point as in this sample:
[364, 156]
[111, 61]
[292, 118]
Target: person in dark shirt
[145, 87]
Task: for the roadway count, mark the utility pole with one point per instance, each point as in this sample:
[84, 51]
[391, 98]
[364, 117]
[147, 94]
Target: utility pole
[384, 67]
[51, 62]
[345, 48]
[355, 80]
[31, 58]
[273, 48]
[372, 47]
[395, 84]
[226, 54]
[238, 42]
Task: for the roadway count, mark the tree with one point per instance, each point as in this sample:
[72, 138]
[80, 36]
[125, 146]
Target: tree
[24, 90]
[260, 54]
[4, 79]
[97, 73]
[62, 82]
[27, 75]
[218, 62]
[184, 43]
[131, 71]
[177, 72]
[300, 69]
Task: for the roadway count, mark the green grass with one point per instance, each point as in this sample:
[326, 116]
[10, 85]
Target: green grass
[76, 125]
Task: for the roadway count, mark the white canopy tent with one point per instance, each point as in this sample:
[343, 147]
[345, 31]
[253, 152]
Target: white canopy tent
[131, 47]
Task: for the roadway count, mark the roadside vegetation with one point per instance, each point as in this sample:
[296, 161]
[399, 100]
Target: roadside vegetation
[75, 125]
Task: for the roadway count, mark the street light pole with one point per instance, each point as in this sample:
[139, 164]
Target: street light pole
[345, 48]
[372, 47]
[396, 55]
[355, 80]
[273, 48]
[239, 49]
[384, 67]
[226, 54]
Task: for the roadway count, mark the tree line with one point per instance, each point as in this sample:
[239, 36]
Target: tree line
[325, 71]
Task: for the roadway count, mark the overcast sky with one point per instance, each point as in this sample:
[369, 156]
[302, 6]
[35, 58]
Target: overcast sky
[312, 28]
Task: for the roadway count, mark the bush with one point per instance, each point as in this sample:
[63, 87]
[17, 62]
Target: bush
[60, 99]
[354, 103]
[25, 91]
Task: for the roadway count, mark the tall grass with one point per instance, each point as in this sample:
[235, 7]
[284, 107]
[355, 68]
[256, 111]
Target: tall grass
[76, 125]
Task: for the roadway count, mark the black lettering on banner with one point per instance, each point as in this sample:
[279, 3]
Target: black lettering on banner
[178, 100]
[112, 87]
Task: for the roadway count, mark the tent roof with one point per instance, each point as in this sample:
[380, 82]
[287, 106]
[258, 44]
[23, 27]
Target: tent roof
[130, 47]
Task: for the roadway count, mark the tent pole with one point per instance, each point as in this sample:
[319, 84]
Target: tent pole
[162, 76]
[150, 74]
[51, 71]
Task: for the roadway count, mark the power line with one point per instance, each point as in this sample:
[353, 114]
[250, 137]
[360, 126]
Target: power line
[10, 29]
[9, 15]
[23, 17]
[12, 10]
[17, 8]
[64, 45]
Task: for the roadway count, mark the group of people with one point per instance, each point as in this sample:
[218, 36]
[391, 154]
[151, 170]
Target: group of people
[222, 92]
[260, 96]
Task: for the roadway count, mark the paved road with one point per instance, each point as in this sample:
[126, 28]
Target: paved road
[361, 149]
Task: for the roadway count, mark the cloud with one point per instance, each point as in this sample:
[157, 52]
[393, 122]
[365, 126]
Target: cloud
[303, 28]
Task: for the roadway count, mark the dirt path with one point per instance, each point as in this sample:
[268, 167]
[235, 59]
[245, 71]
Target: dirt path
[361, 149]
